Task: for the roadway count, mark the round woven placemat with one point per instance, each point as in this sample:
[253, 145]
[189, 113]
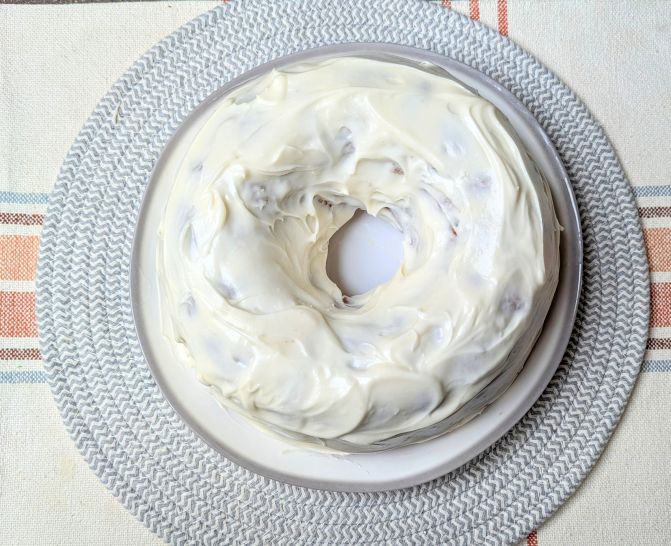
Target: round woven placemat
[139, 447]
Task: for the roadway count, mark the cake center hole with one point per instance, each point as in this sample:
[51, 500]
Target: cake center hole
[363, 253]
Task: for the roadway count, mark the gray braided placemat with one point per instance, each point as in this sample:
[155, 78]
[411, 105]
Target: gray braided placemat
[139, 447]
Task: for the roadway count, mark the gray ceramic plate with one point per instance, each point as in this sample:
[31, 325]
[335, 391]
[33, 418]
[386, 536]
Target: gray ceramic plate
[269, 455]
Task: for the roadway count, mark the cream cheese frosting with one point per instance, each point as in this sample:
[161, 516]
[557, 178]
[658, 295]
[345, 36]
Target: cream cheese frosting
[278, 166]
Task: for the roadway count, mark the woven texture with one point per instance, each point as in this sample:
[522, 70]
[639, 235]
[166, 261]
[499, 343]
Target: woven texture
[139, 447]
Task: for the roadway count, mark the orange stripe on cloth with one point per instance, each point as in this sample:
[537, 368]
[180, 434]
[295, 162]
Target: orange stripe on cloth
[17, 314]
[447, 3]
[474, 9]
[660, 298]
[18, 257]
[502, 16]
[658, 244]
[532, 539]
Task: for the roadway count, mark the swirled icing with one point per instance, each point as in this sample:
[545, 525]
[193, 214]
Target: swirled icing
[285, 160]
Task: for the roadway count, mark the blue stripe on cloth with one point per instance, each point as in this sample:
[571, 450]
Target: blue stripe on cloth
[656, 366]
[16, 377]
[24, 198]
[652, 191]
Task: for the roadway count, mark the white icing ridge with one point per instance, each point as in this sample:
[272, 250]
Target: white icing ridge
[276, 169]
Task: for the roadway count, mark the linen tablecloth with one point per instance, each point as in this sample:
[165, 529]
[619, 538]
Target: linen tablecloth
[57, 61]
